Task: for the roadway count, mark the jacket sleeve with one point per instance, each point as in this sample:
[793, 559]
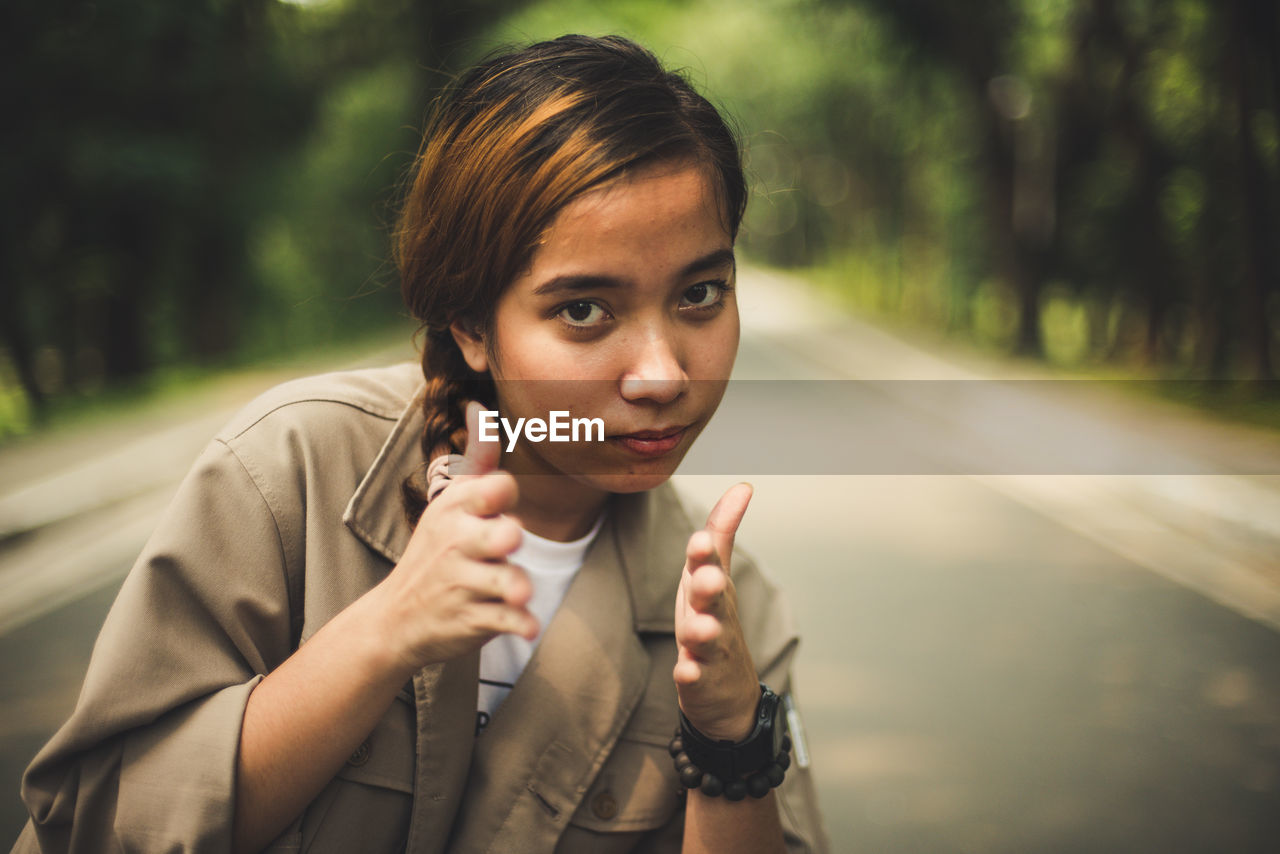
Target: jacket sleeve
[770, 630]
[147, 760]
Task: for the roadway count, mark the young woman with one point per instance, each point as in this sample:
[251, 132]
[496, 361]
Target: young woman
[362, 628]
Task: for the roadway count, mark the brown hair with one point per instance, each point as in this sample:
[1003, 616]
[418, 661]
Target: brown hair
[512, 142]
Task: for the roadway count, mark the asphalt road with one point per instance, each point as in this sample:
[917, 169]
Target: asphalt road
[1011, 663]
[980, 675]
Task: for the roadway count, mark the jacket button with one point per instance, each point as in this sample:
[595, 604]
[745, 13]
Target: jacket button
[361, 755]
[604, 805]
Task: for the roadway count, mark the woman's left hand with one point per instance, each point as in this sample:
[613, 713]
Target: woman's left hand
[715, 677]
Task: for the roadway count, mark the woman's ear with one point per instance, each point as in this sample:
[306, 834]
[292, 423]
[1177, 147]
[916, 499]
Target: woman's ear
[471, 342]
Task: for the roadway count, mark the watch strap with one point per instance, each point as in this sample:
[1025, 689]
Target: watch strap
[729, 760]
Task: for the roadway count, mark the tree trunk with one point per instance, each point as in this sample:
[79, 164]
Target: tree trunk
[1013, 258]
[1252, 184]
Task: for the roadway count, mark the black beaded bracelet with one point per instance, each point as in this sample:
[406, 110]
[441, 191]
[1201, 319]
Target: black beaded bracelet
[756, 785]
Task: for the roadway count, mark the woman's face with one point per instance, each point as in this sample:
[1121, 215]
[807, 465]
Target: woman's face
[627, 314]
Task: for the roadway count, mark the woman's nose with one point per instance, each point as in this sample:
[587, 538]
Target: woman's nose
[656, 372]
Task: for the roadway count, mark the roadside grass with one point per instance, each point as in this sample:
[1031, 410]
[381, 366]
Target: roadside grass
[1247, 402]
[172, 390]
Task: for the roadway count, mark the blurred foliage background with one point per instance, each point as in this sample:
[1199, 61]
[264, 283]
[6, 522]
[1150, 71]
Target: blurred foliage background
[1089, 182]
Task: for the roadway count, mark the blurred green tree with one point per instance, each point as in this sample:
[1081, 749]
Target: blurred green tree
[159, 156]
[1127, 151]
[1080, 179]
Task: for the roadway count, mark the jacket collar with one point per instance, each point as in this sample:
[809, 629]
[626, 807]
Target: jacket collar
[375, 513]
[650, 528]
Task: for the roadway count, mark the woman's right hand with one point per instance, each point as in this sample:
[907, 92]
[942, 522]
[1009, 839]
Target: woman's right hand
[453, 589]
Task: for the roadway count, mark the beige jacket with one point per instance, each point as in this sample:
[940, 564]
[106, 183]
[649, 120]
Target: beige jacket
[290, 514]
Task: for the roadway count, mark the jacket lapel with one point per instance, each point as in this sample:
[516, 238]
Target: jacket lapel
[540, 752]
[653, 530]
[446, 696]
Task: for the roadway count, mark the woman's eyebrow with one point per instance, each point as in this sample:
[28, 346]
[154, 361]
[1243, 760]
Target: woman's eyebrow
[710, 261]
[587, 282]
[559, 284]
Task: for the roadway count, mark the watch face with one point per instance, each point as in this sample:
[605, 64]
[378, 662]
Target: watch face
[779, 725]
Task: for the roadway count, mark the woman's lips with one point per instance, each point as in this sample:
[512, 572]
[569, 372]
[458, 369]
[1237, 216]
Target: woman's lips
[651, 443]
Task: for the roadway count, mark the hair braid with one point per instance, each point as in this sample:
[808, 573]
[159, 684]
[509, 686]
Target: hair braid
[450, 383]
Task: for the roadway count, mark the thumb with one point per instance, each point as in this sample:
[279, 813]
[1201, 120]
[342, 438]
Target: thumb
[723, 521]
[479, 457]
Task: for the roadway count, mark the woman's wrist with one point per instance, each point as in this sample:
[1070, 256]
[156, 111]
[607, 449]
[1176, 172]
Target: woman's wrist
[734, 724]
[372, 624]
[734, 729]
[303, 720]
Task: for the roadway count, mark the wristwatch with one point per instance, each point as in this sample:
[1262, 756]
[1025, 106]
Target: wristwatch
[729, 760]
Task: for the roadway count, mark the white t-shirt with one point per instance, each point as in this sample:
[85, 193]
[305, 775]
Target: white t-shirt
[551, 566]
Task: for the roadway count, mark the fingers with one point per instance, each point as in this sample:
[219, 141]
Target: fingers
[725, 517]
[708, 552]
[713, 663]
[705, 591]
[479, 457]
[483, 496]
[707, 616]
[702, 599]
[700, 630]
[706, 583]
[486, 543]
[488, 539]
[477, 485]
[502, 581]
[701, 550]
[499, 618]
[687, 670]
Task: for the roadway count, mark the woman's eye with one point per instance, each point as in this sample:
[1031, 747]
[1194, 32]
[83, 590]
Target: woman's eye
[582, 313]
[703, 295]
